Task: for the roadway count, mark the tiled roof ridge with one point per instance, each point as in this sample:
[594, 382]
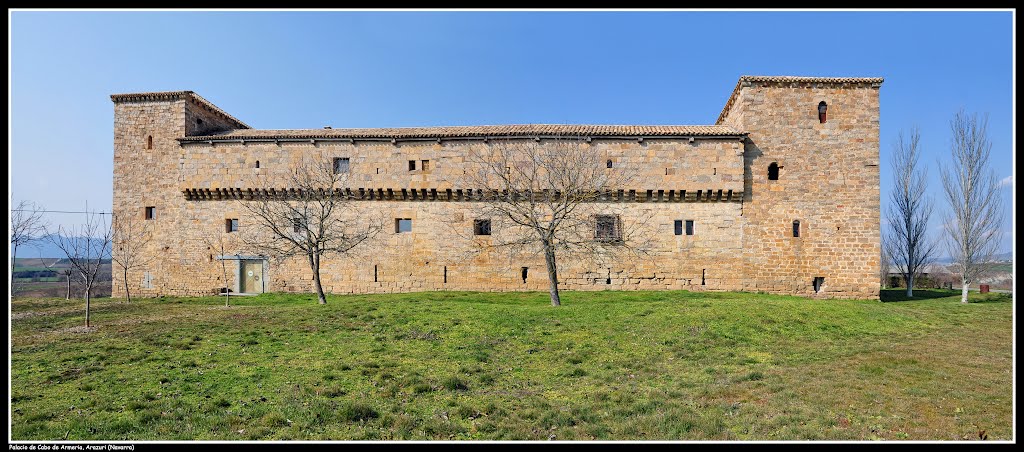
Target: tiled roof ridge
[791, 79]
[480, 131]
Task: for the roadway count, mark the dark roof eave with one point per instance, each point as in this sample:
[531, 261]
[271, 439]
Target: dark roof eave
[264, 139]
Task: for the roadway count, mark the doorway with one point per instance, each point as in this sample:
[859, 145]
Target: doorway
[250, 278]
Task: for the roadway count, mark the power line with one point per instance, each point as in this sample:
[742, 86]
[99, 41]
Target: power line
[60, 211]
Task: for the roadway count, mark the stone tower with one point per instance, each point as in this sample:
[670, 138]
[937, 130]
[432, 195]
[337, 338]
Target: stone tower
[147, 162]
[811, 185]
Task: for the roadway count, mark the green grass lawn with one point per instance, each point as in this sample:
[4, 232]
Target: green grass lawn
[606, 365]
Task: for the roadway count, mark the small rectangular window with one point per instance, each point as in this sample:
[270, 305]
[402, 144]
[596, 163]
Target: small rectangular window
[296, 224]
[150, 213]
[608, 228]
[796, 229]
[403, 225]
[481, 227]
[689, 227]
[425, 165]
[231, 225]
[341, 165]
[412, 165]
[679, 227]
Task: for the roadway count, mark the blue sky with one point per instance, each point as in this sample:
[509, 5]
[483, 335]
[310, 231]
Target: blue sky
[391, 69]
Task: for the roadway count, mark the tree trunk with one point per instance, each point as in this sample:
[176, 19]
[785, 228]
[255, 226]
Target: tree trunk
[127, 293]
[68, 296]
[549, 258]
[314, 264]
[963, 291]
[910, 286]
[14, 260]
[224, 268]
[88, 299]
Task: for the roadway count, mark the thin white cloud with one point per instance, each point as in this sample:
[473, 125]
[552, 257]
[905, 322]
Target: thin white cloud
[1006, 181]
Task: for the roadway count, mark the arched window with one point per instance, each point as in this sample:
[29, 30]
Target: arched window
[822, 110]
[257, 163]
[149, 142]
[796, 228]
[773, 171]
[608, 164]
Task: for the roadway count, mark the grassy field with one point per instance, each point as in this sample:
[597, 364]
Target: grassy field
[606, 365]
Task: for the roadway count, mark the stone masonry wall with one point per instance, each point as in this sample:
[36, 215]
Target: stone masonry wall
[828, 180]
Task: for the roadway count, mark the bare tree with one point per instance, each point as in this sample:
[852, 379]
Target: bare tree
[85, 247]
[131, 237]
[27, 225]
[221, 244]
[555, 198]
[907, 242]
[311, 216]
[975, 207]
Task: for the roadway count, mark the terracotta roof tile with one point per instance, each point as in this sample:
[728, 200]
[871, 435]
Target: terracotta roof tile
[568, 130]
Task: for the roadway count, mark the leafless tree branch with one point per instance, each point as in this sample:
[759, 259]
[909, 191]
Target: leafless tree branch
[27, 225]
[550, 198]
[85, 247]
[310, 216]
[973, 223]
[131, 237]
[906, 241]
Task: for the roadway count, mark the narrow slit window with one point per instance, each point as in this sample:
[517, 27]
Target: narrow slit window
[525, 272]
[257, 163]
[150, 212]
[608, 164]
[773, 171]
[679, 227]
[689, 227]
[149, 142]
[374, 273]
[796, 228]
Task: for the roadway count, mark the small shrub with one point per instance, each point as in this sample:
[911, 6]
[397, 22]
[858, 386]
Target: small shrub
[454, 384]
[333, 391]
[421, 388]
[357, 412]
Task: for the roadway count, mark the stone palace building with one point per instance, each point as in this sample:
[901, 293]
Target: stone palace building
[780, 195]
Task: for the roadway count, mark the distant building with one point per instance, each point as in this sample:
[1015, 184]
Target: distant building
[780, 195]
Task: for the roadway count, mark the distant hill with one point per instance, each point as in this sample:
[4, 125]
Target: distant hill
[40, 248]
[1007, 256]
